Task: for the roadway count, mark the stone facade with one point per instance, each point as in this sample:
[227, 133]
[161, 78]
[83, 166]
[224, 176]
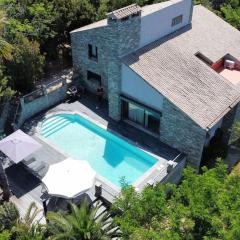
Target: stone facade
[5, 107]
[81, 61]
[113, 41]
[181, 132]
[124, 37]
[48, 100]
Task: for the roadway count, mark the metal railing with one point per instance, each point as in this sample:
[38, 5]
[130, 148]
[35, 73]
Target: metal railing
[33, 95]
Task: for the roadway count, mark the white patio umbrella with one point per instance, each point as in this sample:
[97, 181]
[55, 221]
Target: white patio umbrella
[69, 178]
[18, 146]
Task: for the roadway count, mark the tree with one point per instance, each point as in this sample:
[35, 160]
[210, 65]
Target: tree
[5, 47]
[12, 226]
[81, 223]
[232, 15]
[201, 207]
[28, 228]
[8, 216]
[26, 67]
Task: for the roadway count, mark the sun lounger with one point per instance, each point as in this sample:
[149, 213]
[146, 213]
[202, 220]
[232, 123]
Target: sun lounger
[38, 168]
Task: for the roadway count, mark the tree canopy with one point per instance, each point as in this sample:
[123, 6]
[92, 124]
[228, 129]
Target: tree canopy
[205, 206]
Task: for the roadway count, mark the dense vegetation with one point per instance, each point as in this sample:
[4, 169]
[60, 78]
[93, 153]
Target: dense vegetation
[205, 206]
[81, 223]
[36, 34]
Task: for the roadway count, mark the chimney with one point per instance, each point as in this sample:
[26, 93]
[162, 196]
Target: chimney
[124, 14]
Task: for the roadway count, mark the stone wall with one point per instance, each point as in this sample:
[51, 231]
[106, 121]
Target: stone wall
[123, 38]
[182, 133]
[175, 175]
[82, 63]
[113, 41]
[48, 100]
[3, 116]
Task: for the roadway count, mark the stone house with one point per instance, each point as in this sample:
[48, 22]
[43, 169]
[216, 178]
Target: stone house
[163, 70]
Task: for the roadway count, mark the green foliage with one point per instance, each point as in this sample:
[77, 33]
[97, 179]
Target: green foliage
[26, 67]
[232, 15]
[81, 223]
[15, 228]
[202, 207]
[8, 216]
[28, 228]
[5, 235]
[5, 47]
[5, 91]
[235, 134]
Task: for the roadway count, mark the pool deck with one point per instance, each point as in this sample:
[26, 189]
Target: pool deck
[27, 187]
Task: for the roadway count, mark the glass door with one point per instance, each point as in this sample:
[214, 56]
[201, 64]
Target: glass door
[152, 121]
[136, 114]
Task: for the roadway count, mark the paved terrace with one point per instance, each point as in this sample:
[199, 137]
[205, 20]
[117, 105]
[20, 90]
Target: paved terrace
[26, 181]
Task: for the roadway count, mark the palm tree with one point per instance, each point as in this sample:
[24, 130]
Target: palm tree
[9, 216]
[28, 227]
[81, 223]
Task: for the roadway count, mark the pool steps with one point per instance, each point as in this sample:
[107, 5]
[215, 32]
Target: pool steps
[54, 125]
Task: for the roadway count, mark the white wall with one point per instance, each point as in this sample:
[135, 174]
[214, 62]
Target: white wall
[134, 86]
[155, 25]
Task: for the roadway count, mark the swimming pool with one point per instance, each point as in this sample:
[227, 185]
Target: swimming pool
[110, 156]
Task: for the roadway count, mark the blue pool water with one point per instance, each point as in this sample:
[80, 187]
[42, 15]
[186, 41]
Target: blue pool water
[109, 155]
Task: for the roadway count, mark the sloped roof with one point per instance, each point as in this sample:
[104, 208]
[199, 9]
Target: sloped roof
[98, 24]
[125, 11]
[171, 67]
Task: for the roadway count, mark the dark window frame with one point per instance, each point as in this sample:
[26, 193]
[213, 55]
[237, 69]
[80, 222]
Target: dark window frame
[125, 104]
[92, 76]
[177, 20]
[91, 54]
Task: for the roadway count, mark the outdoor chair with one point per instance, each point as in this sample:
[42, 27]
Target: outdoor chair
[73, 92]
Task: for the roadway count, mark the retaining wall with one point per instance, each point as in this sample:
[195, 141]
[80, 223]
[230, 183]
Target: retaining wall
[41, 103]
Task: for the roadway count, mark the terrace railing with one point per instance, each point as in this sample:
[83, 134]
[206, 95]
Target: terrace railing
[41, 99]
[33, 95]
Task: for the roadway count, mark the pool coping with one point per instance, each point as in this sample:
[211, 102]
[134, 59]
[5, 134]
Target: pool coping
[149, 174]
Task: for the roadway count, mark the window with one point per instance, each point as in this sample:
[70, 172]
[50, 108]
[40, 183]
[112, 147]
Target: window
[141, 115]
[91, 76]
[177, 20]
[92, 52]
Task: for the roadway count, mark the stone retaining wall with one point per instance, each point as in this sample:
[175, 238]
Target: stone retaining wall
[4, 116]
[175, 175]
[42, 103]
